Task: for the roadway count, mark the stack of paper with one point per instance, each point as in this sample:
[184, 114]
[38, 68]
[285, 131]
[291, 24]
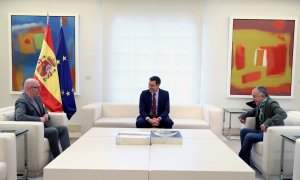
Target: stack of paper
[133, 138]
[166, 137]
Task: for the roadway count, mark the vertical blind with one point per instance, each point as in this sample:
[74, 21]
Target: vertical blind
[143, 45]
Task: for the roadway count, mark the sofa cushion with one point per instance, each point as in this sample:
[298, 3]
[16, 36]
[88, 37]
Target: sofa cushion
[119, 110]
[258, 148]
[115, 122]
[186, 111]
[7, 116]
[293, 118]
[190, 124]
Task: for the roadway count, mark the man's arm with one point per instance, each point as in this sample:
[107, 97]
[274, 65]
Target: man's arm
[278, 115]
[21, 113]
[142, 105]
[250, 113]
[166, 107]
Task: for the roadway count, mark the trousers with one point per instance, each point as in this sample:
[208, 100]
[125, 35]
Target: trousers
[248, 138]
[56, 135]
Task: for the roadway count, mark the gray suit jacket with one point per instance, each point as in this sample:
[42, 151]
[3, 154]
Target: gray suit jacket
[26, 111]
[273, 114]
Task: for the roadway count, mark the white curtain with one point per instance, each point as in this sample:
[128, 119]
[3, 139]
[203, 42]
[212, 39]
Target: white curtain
[141, 44]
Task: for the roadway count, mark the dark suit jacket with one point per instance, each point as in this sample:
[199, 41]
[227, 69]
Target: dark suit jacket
[273, 114]
[26, 111]
[145, 104]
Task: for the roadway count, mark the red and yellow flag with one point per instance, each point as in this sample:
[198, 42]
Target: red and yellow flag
[47, 75]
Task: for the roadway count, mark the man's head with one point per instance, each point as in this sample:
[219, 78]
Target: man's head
[32, 87]
[259, 94]
[154, 83]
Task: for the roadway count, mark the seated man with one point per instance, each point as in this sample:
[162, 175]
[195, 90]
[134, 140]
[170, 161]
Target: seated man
[154, 107]
[29, 107]
[267, 113]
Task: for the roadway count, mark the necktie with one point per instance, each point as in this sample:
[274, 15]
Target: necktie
[153, 106]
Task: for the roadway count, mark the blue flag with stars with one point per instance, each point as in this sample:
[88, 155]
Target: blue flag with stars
[65, 81]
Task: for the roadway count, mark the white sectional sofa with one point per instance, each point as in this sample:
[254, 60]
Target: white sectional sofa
[266, 155]
[198, 116]
[38, 148]
[8, 154]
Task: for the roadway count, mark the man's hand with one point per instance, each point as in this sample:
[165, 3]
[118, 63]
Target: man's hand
[263, 128]
[153, 121]
[242, 120]
[44, 118]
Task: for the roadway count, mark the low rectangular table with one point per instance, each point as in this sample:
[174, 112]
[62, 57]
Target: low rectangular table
[96, 156]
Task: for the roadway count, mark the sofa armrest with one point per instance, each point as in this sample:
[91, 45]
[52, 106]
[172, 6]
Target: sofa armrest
[35, 140]
[90, 113]
[57, 118]
[213, 115]
[8, 154]
[272, 147]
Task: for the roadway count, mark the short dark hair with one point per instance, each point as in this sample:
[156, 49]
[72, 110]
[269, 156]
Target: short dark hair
[262, 90]
[156, 79]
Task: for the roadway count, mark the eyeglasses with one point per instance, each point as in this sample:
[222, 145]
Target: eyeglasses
[38, 87]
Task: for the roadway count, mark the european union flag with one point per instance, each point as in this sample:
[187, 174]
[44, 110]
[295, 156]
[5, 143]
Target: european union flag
[65, 81]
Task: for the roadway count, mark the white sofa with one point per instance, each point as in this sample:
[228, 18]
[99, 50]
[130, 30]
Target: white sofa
[266, 155]
[296, 172]
[124, 115]
[8, 154]
[37, 146]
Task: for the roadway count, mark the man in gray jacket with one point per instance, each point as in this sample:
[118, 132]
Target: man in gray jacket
[267, 113]
[29, 107]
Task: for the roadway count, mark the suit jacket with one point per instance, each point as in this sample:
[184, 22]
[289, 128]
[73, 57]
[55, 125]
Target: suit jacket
[272, 114]
[26, 111]
[163, 107]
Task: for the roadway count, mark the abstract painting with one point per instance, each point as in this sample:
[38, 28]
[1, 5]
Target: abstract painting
[26, 38]
[261, 53]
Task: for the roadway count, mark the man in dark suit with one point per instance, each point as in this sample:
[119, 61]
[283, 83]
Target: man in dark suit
[267, 113]
[154, 107]
[29, 107]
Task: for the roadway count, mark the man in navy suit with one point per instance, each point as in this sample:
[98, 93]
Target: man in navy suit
[29, 107]
[154, 107]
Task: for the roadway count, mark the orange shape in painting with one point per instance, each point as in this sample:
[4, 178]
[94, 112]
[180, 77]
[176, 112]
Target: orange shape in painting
[276, 60]
[279, 24]
[250, 77]
[26, 45]
[260, 57]
[240, 57]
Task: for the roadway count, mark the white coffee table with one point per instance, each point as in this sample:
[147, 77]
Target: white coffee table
[96, 156]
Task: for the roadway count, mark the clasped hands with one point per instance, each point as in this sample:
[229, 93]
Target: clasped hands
[154, 121]
[262, 127]
[44, 118]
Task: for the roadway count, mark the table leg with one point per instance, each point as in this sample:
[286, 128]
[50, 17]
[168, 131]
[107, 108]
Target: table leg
[281, 158]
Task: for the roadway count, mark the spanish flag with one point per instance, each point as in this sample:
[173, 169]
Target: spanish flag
[47, 75]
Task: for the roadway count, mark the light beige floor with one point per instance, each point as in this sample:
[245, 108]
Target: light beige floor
[235, 146]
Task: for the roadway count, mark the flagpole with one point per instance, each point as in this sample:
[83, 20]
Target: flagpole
[47, 18]
[60, 21]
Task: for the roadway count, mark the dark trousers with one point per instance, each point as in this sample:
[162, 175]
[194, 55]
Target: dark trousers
[248, 138]
[166, 123]
[55, 134]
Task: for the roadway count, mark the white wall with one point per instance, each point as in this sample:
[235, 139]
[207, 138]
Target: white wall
[215, 46]
[215, 37]
[90, 45]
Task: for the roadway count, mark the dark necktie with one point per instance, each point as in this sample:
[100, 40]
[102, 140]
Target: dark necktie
[153, 106]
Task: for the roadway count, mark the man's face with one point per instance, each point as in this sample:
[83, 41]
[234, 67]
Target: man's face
[152, 86]
[35, 89]
[258, 97]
